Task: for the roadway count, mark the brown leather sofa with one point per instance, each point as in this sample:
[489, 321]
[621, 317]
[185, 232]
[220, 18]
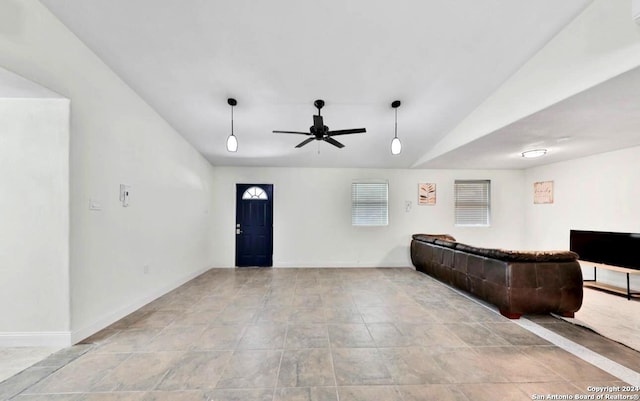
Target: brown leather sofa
[517, 282]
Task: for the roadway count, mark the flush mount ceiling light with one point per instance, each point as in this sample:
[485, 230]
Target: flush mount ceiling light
[532, 154]
[396, 145]
[232, 141]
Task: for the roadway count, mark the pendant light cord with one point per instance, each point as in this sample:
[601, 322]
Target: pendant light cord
[231, 120]
[396, 127]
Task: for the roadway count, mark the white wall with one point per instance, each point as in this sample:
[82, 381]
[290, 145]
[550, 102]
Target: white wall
[115, 138]
[312, 214]
[34, 221]
[593, 193]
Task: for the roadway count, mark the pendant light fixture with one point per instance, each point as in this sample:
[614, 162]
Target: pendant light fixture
[232, 141]
[396, 145]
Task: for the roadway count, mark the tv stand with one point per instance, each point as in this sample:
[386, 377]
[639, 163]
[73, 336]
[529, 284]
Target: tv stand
[593, 283]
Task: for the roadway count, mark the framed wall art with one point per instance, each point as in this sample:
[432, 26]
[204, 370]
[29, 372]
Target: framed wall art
[543, 192]
[427, 194]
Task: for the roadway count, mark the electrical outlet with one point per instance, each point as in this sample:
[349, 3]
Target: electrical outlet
[145, 269]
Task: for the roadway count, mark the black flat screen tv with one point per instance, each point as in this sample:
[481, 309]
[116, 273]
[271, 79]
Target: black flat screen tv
[616, 249]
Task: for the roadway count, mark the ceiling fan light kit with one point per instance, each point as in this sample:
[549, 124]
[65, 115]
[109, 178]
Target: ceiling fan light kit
[396, 145]
[320, 132]
[232, 141]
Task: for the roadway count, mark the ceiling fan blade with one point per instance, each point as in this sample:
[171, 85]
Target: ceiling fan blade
[318, 123]
[332, 141]
[347, 131]
[292, 132]
[306, 141]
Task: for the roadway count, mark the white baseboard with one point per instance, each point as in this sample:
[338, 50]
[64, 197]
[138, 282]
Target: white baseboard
[340, 265]
[112, 317]
[35, 339]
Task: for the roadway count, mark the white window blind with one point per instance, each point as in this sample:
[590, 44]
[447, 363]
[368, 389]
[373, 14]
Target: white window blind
[369, 204]
[472, 202]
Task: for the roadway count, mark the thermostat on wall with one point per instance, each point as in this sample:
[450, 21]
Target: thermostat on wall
[124, 194]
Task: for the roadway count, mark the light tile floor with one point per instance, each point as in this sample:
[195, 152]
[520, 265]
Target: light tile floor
[317, 334]
[14, 360]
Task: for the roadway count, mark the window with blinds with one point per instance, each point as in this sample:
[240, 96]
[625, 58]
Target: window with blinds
[473, 202]
[370, 204]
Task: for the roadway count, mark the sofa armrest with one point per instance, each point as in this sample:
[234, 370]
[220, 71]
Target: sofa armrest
[431, 238]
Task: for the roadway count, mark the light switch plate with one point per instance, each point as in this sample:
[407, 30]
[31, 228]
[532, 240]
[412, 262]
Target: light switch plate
[94, 205]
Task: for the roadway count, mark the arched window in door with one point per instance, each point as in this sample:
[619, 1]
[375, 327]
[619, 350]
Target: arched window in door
[255, 193]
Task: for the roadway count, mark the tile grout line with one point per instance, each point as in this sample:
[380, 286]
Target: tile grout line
[599, 361]
[284, 343]
[333, 364]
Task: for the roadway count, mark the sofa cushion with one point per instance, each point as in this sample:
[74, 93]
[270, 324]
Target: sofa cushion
[446, 243]
[519, 256]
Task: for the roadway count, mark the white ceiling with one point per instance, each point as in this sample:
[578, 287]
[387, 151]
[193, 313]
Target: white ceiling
[440, 58]
[601, 119]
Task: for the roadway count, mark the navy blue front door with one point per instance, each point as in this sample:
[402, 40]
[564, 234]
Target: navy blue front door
[254, 225]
